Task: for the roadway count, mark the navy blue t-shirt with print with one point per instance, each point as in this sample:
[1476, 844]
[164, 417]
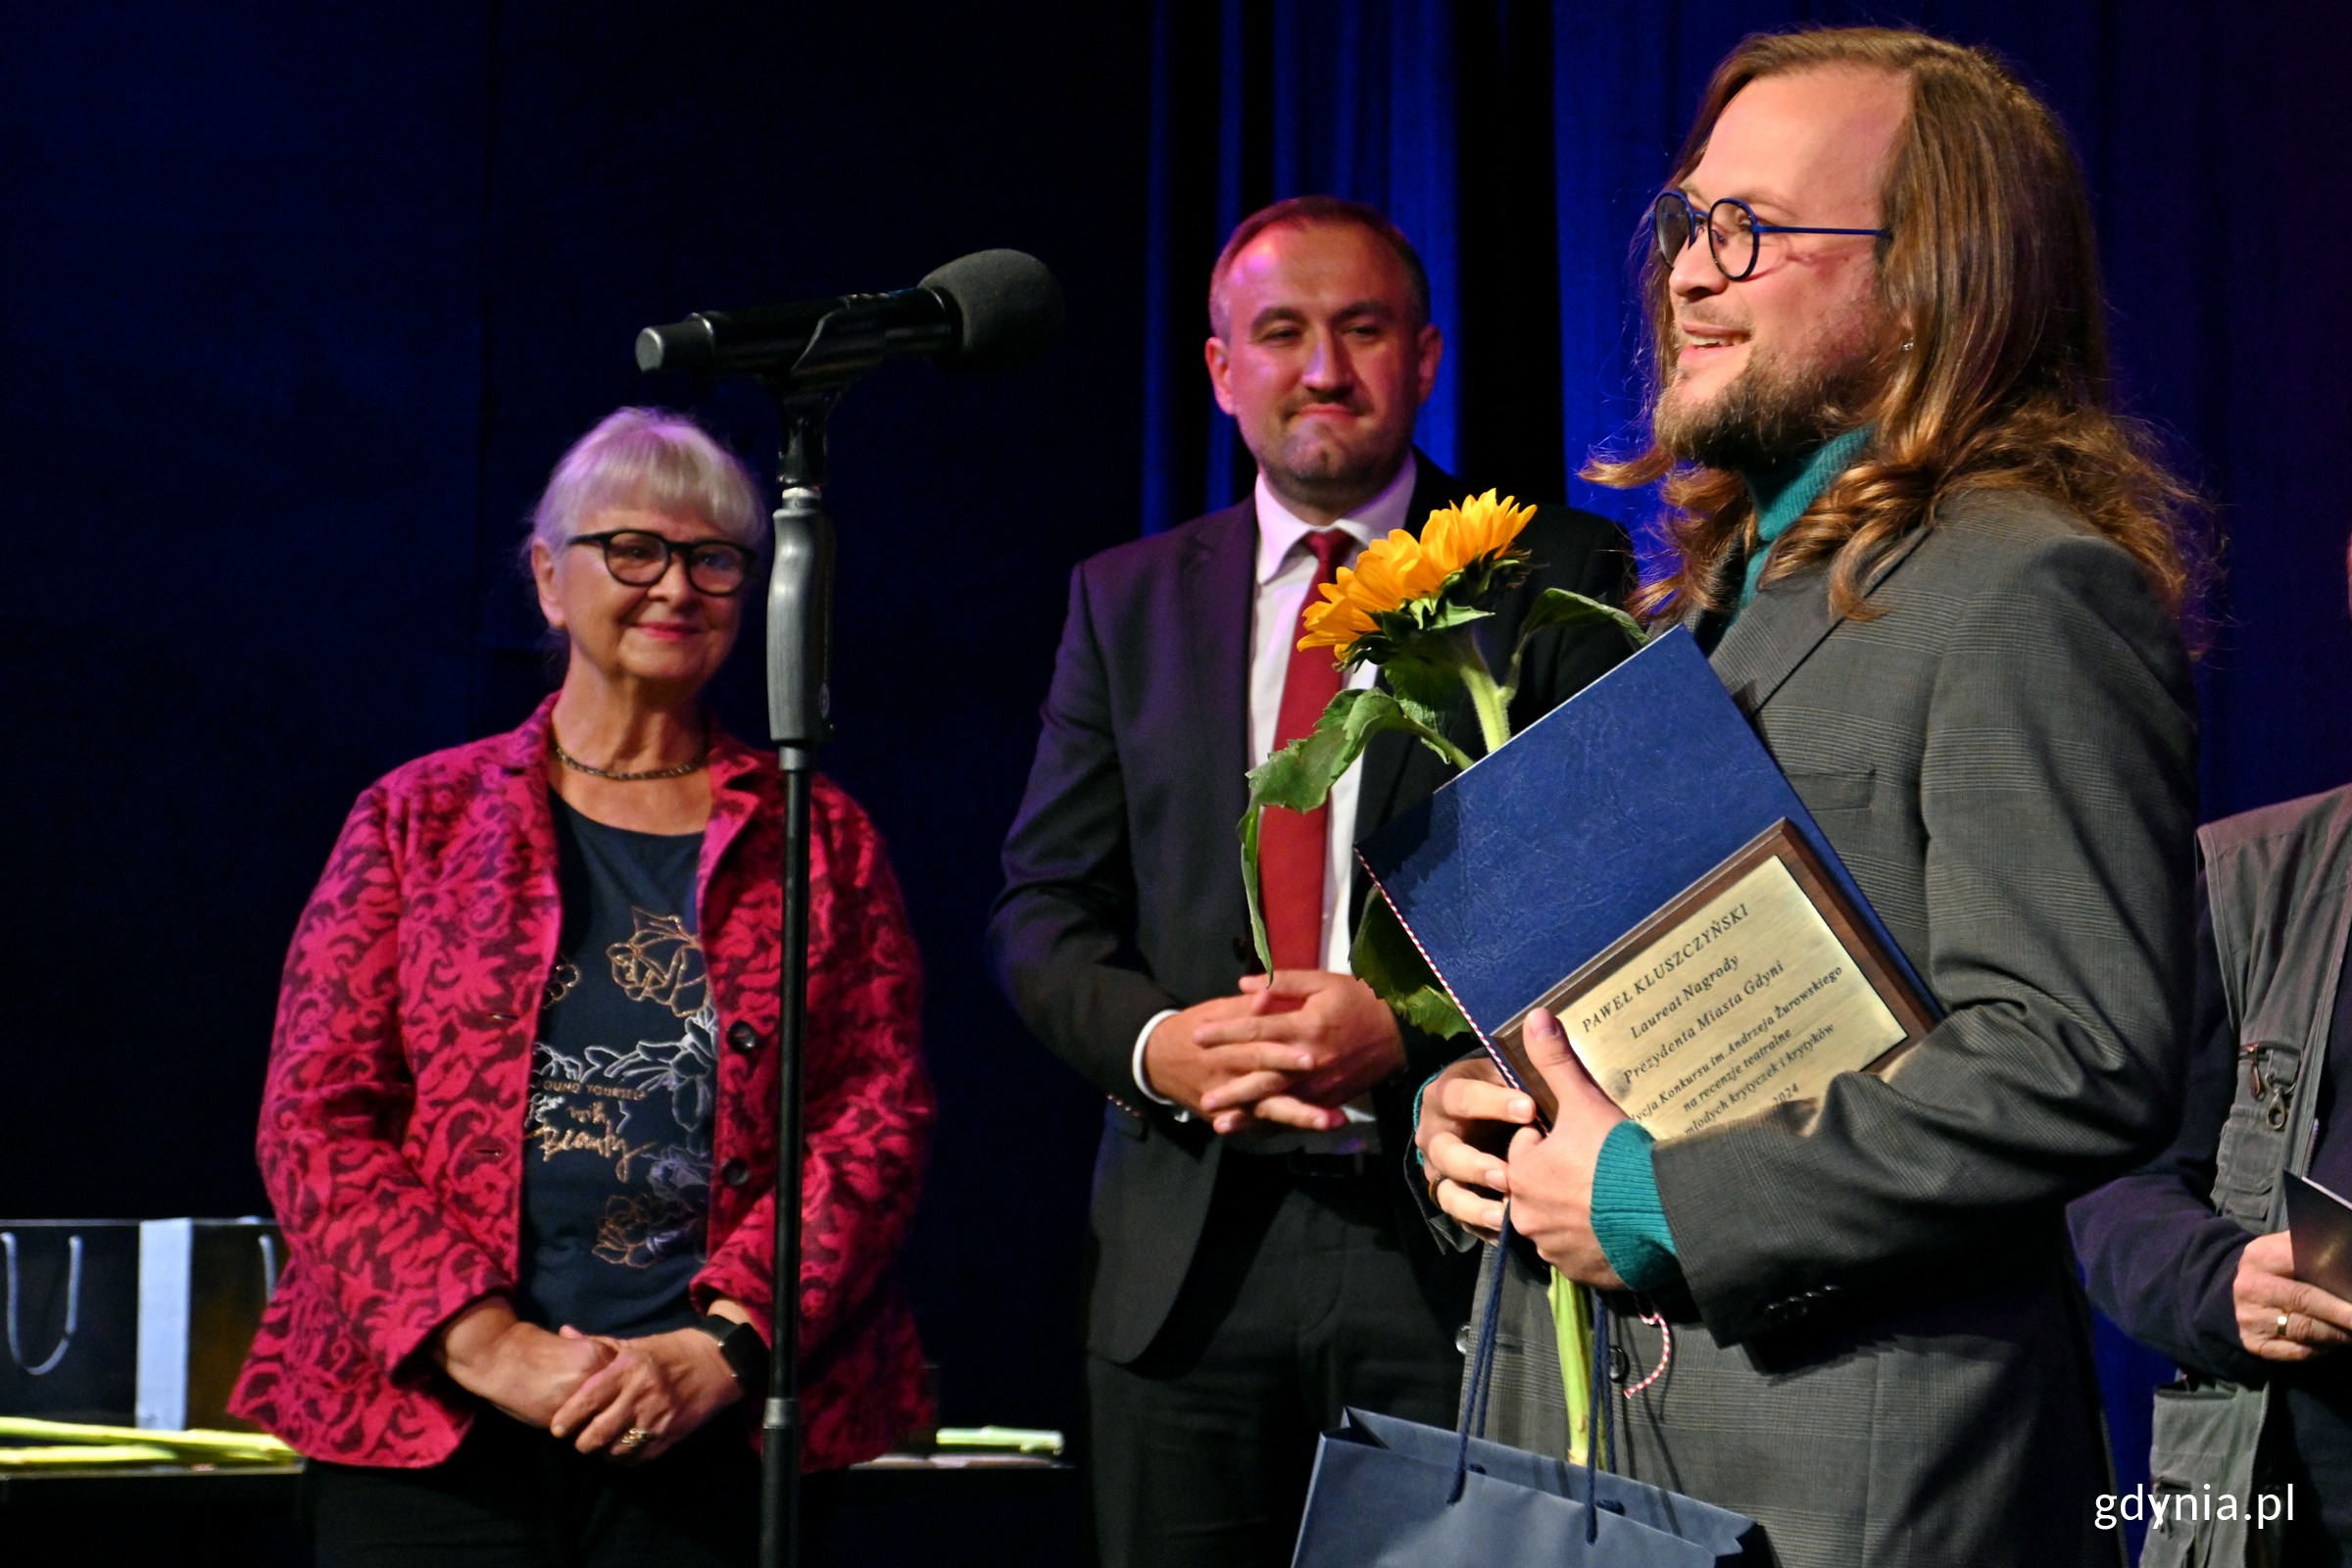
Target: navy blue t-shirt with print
[617, 1175]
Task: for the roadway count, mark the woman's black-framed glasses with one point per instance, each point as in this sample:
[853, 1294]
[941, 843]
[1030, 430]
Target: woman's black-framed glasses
[1735, 239]
[640, 558]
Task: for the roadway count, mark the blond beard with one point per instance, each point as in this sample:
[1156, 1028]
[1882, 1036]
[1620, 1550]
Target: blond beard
[1772, 412]
[1766, 415]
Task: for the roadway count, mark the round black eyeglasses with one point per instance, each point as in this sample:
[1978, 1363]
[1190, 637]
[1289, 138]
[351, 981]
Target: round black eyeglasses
[641, 557]
[1735, 239]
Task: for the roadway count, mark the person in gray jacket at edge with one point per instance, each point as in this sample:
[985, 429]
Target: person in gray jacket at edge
[2252, 1457]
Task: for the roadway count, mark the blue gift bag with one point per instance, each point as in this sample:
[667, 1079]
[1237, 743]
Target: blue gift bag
[1392, 1493]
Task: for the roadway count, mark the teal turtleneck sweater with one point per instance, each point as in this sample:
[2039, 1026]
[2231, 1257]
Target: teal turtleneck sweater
[1627, 1220]
[1782, 495]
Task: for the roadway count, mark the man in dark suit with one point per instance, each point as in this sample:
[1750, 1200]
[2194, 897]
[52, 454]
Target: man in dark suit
[1943, 579]
[1256, 1263]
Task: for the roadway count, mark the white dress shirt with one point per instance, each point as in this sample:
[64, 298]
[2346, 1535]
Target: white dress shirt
[1286, 571]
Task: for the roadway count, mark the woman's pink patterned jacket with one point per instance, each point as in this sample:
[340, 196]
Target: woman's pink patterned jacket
[392, 1123]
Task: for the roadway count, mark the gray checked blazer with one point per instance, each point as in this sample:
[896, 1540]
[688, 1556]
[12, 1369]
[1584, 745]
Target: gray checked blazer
[1882, 1353]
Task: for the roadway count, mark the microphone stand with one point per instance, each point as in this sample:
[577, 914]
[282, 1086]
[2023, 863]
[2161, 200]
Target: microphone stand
[850, 340]
[800, 602]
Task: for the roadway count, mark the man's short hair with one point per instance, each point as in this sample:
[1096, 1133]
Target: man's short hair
[1304, 212]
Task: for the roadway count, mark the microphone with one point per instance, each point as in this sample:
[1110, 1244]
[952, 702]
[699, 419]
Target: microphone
[989, 311]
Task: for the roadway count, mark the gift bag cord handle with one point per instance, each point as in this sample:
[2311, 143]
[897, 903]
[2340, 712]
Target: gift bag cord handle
[16, 1339]
[1482, 1360]
[1599, 1431]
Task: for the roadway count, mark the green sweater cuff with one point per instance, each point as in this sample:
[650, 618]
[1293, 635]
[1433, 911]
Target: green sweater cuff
[1414, 1126]
[1627, 1220]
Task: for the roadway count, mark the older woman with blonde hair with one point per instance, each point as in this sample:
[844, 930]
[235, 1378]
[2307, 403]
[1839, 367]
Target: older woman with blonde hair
[519, 1122]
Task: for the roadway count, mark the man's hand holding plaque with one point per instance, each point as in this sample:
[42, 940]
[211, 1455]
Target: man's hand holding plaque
[1551, 1173]
[1546, 1177]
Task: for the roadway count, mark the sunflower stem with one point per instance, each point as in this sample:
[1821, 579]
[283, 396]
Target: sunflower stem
[1453, 754]
[1486, 697]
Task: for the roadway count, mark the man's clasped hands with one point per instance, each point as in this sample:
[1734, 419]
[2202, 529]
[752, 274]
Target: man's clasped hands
[1292, 1049]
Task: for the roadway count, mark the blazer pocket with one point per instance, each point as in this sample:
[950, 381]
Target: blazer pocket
[2204, 1446]
[1845, 791]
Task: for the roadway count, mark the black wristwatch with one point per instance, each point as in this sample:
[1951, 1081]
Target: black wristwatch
[745, 1351]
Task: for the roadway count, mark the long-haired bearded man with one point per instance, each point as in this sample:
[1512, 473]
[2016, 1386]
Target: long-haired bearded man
[1945, 580]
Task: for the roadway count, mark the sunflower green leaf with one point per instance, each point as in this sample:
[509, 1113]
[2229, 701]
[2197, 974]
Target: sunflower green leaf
[1557, 606]
[1301, 775]
[1385, 959]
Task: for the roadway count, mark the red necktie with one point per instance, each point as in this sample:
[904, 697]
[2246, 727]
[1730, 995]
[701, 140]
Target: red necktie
[1292, 846]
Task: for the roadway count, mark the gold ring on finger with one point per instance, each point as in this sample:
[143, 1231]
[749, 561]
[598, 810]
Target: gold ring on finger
[632, 1439]
[2280, 1331]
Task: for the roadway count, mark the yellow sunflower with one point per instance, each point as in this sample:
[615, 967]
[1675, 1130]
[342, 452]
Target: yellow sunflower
[1457, 535]
[1392, 572]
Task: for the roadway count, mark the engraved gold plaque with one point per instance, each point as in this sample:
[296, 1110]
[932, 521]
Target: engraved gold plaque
[1753, 986]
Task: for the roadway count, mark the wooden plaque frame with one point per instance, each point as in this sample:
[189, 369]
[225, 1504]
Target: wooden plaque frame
[1913, 1012]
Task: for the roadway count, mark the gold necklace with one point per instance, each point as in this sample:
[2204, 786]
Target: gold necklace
[679, 771]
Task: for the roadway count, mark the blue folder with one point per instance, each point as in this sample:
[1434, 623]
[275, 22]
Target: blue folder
[1537, 858]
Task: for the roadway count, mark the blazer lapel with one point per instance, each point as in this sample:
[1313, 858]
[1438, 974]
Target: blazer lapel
[1788, 621]
[1219, 588]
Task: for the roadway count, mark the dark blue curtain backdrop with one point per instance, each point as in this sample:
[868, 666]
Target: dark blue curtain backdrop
[1519, 144]
[299, 304]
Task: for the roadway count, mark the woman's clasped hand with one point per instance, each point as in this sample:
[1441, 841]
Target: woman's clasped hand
[662, 1387]
[628, 1400]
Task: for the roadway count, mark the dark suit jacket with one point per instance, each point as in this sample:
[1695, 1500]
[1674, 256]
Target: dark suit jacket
[1884, 1354]
[1123, 887]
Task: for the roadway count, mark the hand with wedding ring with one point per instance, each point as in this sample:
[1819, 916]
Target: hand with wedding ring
[2279, 1317]
[654, 1393]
